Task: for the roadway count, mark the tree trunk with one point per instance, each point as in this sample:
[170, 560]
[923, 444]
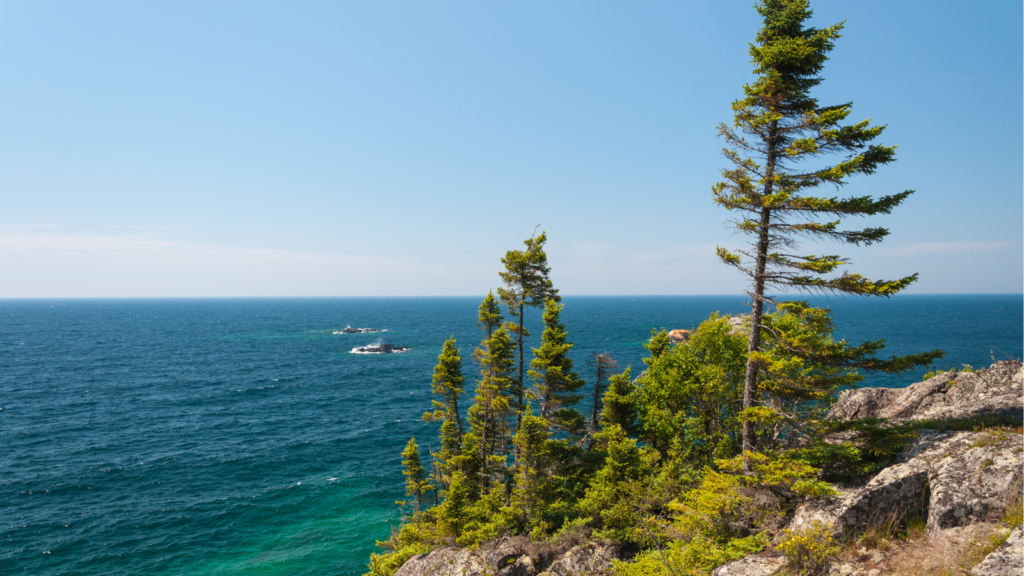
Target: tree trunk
[519, 379]
[750, 381]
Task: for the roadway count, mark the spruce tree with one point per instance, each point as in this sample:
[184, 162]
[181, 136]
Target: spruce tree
[490, 412]
[532, 482]
[620, 403]
[448, 384]
[778, 126]
[489, 315]
[416, 483]
[556, 383]
[657, 345]
[526, 286]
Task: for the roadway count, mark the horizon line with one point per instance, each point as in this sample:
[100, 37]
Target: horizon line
[844, 296]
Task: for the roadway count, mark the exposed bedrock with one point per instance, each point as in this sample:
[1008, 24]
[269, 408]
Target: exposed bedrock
[513, 557]
[996, 391]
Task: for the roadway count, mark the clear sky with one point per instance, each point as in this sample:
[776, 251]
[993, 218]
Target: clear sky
[400, 148]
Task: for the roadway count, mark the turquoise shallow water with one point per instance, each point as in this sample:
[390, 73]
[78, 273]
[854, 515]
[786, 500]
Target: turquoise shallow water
[228, 437]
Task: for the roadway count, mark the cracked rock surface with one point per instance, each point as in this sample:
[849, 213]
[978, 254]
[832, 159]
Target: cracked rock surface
[997, 390]
[1007, 560]
[513, 557]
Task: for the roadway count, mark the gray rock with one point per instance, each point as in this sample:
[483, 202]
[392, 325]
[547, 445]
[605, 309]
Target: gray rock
[975, 476]
[895, 491]
[584, 559]
[959, 477]
[751, 566]
[998, 390]
[445, 561]
[824, 512]
[503, 554]
[1007, 560]
[513, 557]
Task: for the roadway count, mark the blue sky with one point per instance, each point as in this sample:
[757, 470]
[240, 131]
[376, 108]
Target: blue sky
[400, 148]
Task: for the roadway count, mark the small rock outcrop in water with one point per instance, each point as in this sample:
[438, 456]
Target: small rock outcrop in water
[382, 348]
[677, 336]
[514, 557]
[350, 330]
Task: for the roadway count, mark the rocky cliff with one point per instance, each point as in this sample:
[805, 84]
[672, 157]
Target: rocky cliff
[957, 483]
[516, 556]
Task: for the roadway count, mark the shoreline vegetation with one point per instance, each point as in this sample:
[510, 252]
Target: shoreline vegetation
[704, 455]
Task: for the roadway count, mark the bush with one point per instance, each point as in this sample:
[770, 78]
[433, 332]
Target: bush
[389, 563]
[809, 551]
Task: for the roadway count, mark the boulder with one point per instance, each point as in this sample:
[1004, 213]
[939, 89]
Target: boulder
[516, 556]
[972, 475]
[998, 391]
[584, 560]
[1007, 560]
[957, 477]
[447, 561]
[677, 336]
[894, 492]
[739, 324]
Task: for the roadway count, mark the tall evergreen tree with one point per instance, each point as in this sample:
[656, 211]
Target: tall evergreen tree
[448, 384]
[490, 412]
[778, 126]
[533, 485]
[526, 286]
[556, 383]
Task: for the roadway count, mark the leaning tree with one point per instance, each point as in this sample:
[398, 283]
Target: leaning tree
[778, 131]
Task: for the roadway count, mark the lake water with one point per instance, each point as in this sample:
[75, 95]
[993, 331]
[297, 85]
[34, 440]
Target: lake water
[240, 436]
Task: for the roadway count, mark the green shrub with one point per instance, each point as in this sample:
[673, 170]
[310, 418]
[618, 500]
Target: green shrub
[809, 551]
[388, 563]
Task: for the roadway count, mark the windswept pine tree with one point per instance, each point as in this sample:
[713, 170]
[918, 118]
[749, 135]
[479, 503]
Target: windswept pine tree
[526, 286]
[556, 384]
[778, 133]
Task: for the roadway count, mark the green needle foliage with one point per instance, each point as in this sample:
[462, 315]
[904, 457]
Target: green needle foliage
[416, 483]
[556, 384]
[526, 286]
[620, 403]
[491, 410]
[777, 128]
[448, 384]
[489, 316]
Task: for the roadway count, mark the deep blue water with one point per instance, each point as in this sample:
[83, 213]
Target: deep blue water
[241, 437]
